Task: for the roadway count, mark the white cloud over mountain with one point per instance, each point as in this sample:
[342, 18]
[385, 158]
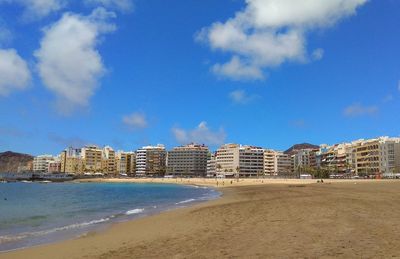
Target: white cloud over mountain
[202, 134]
[69, 63]
[268, 33]
[14, 72]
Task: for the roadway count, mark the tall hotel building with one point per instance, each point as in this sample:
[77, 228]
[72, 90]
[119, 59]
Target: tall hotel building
[277, 163]
[71, 161]
[151, 161]
[380, 156]
[109, 163]
[126, 163]
[234, 160]
[92, 157]
[188, 161]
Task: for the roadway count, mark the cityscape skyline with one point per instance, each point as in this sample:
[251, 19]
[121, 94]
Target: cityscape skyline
[379, 157]
[332, 78]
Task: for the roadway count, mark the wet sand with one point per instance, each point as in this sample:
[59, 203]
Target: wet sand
[348, 219]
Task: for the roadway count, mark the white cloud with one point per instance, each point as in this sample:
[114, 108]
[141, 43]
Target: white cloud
[317, 54]
[358, 109]
[241, 97]
[34, 9]
[201, 134]
[122, 5]
[237, 70]
[14, 72]
[135, 120]
[68, 61]
[268, 33]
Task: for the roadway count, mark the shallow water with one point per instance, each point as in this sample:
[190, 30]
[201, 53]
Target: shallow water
[36, 213]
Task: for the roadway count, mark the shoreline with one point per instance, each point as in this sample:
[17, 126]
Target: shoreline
[136, 237]
[108, 221]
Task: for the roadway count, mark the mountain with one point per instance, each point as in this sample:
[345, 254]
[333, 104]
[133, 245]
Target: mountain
[9, 161]
[292, 150]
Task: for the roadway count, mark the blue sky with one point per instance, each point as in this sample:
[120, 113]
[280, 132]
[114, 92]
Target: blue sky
[132, 73]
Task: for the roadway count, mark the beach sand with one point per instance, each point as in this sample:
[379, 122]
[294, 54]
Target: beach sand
[348, 219]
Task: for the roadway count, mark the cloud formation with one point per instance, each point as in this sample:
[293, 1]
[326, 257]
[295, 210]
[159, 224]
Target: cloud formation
[268, 33]
[68, 62]
[357, 110]
[135, 120]
[201, 134]
[36, 9]
[14, 72]
[241, 97]
[121, 5]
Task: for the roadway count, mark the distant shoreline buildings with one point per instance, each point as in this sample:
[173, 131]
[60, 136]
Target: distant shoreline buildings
[374, 158]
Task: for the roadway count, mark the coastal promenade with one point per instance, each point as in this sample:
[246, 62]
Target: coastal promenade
[254, 218]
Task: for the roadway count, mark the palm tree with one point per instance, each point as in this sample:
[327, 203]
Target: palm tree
[237, 173]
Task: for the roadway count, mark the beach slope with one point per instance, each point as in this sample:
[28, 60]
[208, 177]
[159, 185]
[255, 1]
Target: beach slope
[350, 219]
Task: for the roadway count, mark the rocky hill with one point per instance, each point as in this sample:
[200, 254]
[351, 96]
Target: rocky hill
[9, 161]
[292, 150]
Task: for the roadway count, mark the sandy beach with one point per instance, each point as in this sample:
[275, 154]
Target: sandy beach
[255, 219]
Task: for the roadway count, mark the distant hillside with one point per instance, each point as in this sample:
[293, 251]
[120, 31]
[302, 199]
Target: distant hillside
[298, 147]
[9, 161]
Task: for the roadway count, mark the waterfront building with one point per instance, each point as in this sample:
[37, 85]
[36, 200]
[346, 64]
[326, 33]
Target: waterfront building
[126, 163]
[277, 163]
[71, 161]
[304, 160]
[92, 157]
[233, 160]
[377, 157]
[270, 162]
[109, 165]
[251, 161]
[188, 161]
[338, 159]
[54, 166]
[227, 160]
[211, 166]
[41, 163]
[151, 161]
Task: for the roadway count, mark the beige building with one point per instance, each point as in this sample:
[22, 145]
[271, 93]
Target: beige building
[233, 160]
[378, 157]
[126, 163]
[276, 163]
[92, 157]
[108, 160]
[71, 161]
[41, 163]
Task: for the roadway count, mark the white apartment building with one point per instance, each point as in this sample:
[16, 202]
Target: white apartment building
[233, 160]
[151, 161]
[211, 166]
[41, 163]
[277, 163]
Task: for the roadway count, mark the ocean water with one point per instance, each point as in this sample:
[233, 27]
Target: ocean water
[37, 213]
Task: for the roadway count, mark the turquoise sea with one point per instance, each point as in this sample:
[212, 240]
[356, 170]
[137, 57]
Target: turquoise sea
[38, 213]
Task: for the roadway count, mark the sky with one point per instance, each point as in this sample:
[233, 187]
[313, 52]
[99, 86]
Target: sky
[129, 73]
